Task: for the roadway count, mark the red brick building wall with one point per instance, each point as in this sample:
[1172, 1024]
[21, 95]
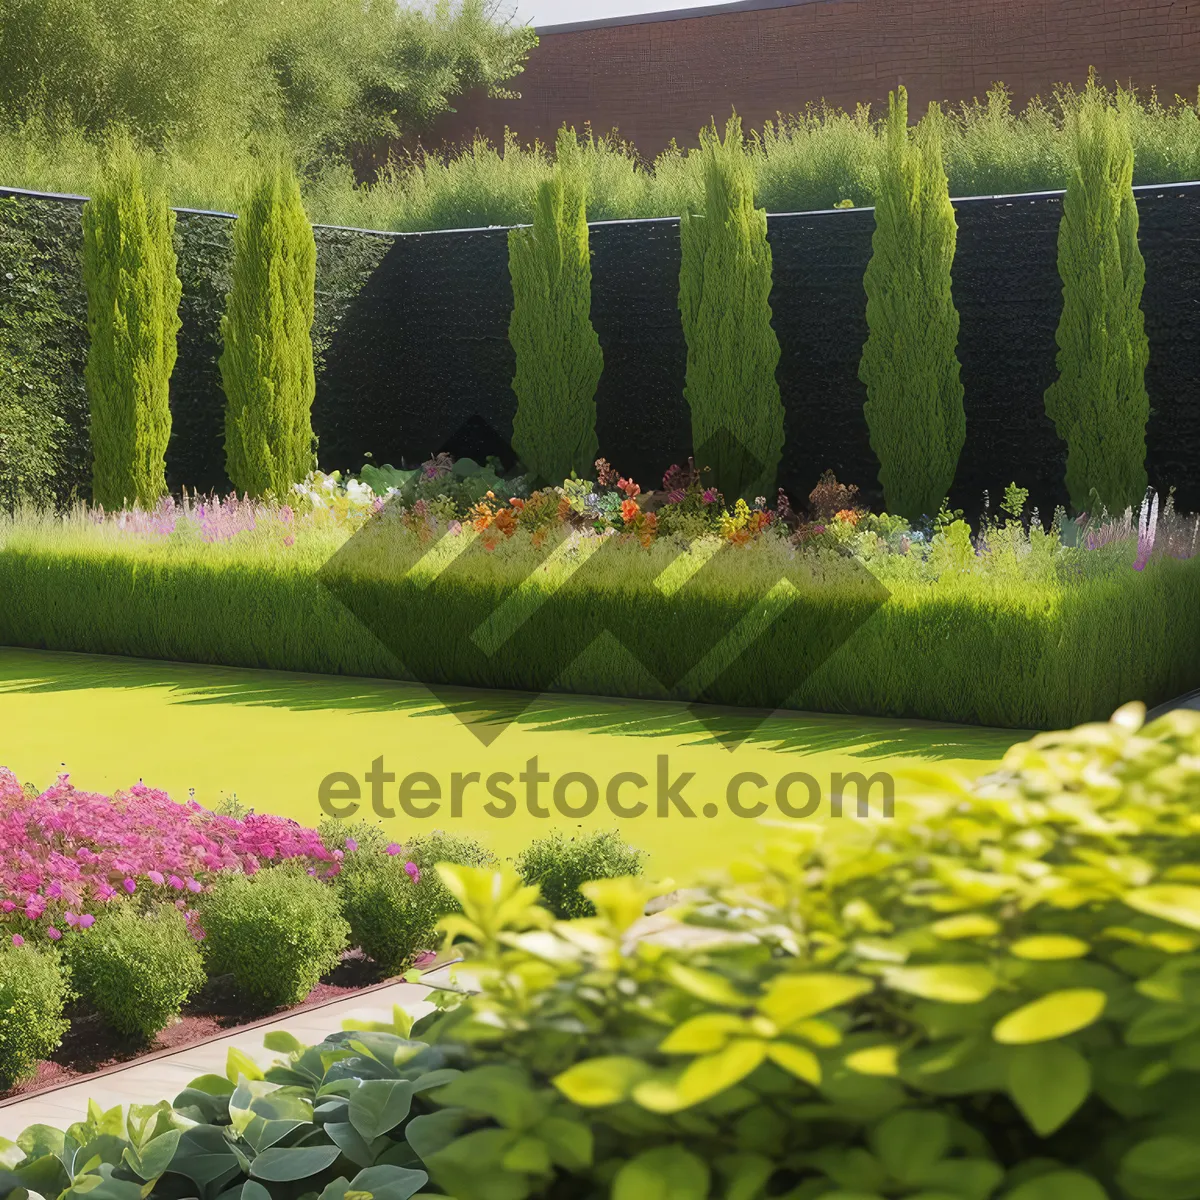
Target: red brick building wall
[666, 77]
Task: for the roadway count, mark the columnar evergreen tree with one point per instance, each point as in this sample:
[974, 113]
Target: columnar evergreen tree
[267, 363]
[1099, 403]
[914, 407]
[558, 354]
[133, 295]
[724, 300]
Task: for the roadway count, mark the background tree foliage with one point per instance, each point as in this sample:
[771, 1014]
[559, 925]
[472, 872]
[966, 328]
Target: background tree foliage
[320, 74]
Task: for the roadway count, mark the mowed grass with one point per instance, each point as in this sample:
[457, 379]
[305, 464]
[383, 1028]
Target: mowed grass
[271, 738]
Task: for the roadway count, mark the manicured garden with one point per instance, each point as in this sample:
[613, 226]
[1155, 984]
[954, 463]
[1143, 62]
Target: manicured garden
[965, 976]
[988, 996]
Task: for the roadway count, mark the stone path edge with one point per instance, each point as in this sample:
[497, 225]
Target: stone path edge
[248, 1027]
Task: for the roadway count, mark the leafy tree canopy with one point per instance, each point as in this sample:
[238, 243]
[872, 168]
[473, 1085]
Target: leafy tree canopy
[320, 74]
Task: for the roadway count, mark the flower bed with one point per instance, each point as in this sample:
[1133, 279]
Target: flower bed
[988, 996]
[119, 914]
[1009, 624]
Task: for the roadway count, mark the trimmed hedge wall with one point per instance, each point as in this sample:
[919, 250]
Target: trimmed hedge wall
[412, 338]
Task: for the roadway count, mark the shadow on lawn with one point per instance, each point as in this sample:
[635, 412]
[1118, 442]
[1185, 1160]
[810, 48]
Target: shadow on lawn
[34, 671]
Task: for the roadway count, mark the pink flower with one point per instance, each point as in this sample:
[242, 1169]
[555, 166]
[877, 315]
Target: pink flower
[155, 878]
[412, 871]
[7, 905]
[394, 849]
[18, 940]
[53, 934]
[86, 921]
[129, 885]
[175, 882]
[351, 844]
[194, 886]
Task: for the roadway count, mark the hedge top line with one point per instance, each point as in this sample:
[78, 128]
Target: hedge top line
[1141, 189]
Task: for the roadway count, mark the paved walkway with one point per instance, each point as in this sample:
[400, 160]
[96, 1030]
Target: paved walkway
[164, 1078]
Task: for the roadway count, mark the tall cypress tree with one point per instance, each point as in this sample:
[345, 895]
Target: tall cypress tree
[267, 363]
[1099, 403]
[724, 300]
[914, 407]
[133, 295]
[559, 360]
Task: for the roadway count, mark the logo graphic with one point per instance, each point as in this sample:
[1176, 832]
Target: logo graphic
[707, 624]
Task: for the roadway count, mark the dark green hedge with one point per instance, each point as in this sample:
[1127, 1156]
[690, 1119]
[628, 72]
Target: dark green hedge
[43, 341]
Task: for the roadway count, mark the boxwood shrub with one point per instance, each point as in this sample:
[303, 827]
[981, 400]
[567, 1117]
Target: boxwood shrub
[33, 993]
[136, 968]
[277, 932]
[558, 865]
[393, 901]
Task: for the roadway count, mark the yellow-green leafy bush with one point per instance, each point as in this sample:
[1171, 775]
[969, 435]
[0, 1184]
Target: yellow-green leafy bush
[994, 994]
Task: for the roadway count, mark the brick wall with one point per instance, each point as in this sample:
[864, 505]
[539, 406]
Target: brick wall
[654, 80]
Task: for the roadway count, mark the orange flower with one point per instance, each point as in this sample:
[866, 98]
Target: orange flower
[630, 512]
[849, 515]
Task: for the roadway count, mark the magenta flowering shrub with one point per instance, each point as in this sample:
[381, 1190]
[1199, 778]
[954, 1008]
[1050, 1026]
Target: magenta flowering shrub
[66, 853]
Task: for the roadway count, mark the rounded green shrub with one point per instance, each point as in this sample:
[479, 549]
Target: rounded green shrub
[276, 932]
[394, 901]
[558, 865]
[136, 968]
[33, 993]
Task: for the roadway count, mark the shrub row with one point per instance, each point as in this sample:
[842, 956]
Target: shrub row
[1034, 646]
[801, 162]
[276, 933]
[989, 997]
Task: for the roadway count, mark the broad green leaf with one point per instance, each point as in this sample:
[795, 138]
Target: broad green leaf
[570, 1143]
[1048, 1084]
[910, 1142]
[966, 925]
[705, 985]
[665, 1173]
[239, 1063]
[659, 1091]
[1050, 1017]
[351, 1143]
[529, 1155]
[388, 1183]
[713, 1073]
[875, 1060]
[380, 1105]
[963, 1178]
[11, 1154]
[792, 998]
[796, 1060]
[1162, 1168]
[499, 1091]
[1162, 1023]
[213, 1085]
[1174, 902]
[596, 1082]
[704, 1034]
[1047, 947]
[155, 1156]
[746, 1175]
[37, 1140]
[281, 1041]
[1059, 1185]
[286, 1164]
[966, 983]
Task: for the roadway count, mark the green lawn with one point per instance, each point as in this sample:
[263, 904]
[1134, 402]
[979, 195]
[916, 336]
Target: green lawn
[271, 738]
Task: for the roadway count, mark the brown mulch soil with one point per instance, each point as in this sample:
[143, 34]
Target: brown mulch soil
[90, 1045]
